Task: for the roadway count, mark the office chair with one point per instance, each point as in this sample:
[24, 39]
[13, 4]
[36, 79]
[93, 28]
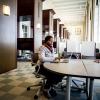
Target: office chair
[41, 84]
[97, 54]
[34, 58]
[97, 50]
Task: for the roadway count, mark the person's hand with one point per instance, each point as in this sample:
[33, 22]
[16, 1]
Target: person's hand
[97, 61]
[57, 59]
[61, 57]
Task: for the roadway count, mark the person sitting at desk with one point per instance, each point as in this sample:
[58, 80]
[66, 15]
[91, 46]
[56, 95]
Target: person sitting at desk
[46, 54]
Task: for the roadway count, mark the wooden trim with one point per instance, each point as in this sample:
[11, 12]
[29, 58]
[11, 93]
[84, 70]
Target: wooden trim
[57, 19]
[51, 10]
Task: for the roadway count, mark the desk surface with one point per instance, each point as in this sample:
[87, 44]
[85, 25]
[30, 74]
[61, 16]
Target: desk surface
[93, 68]
[73, 68]
[81, 68]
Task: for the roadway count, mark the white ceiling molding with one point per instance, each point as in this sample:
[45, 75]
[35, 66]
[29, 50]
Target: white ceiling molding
[47, 4]
[69, 11]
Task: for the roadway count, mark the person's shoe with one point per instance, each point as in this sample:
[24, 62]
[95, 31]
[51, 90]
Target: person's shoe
[49, 93]
[46, 93]
[52, 92]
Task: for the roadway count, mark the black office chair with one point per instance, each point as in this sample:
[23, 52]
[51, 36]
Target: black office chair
[34, 58]
[97, 50]
[41, 84]
[97, 53]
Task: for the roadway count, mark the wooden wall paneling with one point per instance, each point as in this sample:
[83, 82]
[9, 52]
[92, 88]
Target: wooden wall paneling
[68, 34]
[51, 21]
[64, 32]
[26, 8]
[55, 26]
[45, 20]
[8, 37]
[25, 44]
[48, 22]
[56, 33]
[61, 31]
[33, 8]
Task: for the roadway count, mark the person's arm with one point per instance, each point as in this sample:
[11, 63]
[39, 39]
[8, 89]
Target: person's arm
[43, 57]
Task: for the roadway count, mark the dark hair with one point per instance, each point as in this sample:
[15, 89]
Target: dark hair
[47, 38]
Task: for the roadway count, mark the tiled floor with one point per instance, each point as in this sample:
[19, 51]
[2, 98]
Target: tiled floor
[13, 85]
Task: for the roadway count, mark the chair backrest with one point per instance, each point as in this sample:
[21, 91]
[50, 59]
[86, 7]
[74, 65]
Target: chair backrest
[37, 66]
[97, 50]
[98, 46]
[35, 58]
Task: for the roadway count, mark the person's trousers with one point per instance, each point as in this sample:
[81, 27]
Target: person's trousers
[52, 77]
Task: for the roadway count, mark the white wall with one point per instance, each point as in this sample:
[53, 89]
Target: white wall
[37, 21]
[88, 48]
[73, 46]
[74, 34]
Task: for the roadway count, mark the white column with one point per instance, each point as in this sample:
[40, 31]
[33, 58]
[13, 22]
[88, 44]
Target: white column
[99, 21]
[37, 25]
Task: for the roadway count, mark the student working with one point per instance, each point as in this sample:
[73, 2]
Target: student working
[46, 54]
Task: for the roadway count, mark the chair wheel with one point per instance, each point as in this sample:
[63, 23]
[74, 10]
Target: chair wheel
[32, 64]
[28, 88]
[35, 97]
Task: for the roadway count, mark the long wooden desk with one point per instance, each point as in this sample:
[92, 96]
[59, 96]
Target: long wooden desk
[79, 68]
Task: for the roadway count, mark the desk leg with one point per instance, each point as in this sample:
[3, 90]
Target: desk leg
[87, 86]
[68, 88]
[91, 89]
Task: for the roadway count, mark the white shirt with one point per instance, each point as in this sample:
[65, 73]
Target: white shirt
[45, 55]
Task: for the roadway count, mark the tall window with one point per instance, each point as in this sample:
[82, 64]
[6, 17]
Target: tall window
[99, 19]
[97, 22]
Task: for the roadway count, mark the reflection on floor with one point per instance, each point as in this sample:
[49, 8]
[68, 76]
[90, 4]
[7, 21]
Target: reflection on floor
[13, 85]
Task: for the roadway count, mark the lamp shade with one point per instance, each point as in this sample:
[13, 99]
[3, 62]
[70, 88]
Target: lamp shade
[6, 10]
[38, 26]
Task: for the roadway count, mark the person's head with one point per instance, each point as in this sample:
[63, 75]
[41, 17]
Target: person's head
[49, 40]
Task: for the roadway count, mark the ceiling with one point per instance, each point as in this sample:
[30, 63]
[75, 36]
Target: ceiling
[69, 11]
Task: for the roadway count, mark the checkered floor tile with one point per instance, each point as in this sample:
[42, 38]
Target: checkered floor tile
[13, 84]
